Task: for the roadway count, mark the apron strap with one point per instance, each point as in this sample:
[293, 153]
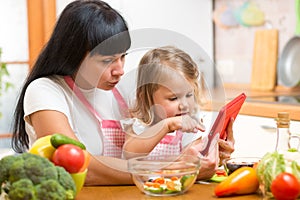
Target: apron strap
[121, 102]
[79, 94]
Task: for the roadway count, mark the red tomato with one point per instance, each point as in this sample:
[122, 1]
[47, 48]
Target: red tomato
[70, 157]
[285, 186]
[221, 172]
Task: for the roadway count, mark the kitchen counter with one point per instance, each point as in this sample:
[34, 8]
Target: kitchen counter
[261, 103]
[197, 191]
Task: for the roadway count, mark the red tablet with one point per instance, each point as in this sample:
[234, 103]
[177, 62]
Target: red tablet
[228, 111]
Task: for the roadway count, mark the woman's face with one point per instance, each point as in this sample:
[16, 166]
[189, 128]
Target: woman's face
[101, 71]
[175, 99]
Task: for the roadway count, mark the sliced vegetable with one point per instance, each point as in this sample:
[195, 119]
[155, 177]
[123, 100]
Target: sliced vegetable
[163, 185]
[187, 180]
[241, 181]
[58, 139]
[155, 190]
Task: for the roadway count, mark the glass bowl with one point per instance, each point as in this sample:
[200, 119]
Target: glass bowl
[232, 164]
[164, 175]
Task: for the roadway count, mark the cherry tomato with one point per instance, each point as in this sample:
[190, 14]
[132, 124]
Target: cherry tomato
[221, 172]
[285, 186]
[70, 157]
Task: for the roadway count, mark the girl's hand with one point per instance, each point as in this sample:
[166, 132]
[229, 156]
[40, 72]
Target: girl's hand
[185, 123]
[226, 147]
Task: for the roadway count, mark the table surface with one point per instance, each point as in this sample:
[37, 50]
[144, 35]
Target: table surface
[197, 191]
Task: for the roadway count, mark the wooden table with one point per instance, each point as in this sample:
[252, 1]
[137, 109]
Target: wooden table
[197, 191]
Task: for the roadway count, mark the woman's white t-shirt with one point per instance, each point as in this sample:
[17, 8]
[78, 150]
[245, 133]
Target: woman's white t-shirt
[54, 94]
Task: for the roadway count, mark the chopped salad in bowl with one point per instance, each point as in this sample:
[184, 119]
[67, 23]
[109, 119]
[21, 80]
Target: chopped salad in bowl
[164, 175]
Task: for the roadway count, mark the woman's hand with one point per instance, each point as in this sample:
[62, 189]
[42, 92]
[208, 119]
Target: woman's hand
[226, 147]
[210, 162]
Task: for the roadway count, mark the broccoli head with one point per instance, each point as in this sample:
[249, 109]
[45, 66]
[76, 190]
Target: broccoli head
[65, 179]
[29, 176]
[34, 167]
[50, 190]
[6, 163]
[22, 190]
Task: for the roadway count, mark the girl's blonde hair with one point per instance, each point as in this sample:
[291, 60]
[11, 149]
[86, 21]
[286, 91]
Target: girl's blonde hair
[155, 68]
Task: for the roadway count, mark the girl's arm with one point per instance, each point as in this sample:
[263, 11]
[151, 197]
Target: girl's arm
[47, 122]
[144, 143]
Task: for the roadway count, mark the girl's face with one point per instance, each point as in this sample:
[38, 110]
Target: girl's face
[100, 71]
[176, 99]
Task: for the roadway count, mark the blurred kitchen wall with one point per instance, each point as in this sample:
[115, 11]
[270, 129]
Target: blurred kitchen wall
[234, 45]
[14, 44]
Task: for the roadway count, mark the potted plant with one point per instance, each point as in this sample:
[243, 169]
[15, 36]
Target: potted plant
[4, 84]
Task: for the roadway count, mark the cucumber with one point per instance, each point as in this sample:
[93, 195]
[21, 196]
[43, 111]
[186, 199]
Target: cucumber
[187, 180]
[58, 139]
[171, 191]
[155, 190]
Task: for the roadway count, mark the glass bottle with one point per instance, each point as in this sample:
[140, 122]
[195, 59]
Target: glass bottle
[283, 132]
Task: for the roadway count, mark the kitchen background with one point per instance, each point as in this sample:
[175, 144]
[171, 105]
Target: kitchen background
[138, 13]
[234, 43]
[208, 23]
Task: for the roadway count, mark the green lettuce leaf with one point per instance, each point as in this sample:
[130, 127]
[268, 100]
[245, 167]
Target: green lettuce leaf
[269, 167]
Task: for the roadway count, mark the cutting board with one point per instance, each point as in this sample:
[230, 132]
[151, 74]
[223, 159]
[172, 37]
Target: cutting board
[265, 58]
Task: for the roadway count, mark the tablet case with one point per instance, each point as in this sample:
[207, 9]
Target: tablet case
[228, 111]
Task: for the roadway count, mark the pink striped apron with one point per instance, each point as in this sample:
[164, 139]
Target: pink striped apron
[112, 136]
[169, 145]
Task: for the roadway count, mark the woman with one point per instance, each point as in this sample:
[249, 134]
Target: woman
[86, 51]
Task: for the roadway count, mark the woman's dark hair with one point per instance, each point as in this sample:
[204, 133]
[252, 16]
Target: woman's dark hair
[84, 26]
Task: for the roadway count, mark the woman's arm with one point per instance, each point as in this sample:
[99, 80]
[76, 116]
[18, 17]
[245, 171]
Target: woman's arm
[47, 122]
[108, 171]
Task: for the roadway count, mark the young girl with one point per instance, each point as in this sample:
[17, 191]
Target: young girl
[167, 97]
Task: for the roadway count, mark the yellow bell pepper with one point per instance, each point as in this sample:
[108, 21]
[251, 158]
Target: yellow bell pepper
[43, 147]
